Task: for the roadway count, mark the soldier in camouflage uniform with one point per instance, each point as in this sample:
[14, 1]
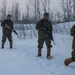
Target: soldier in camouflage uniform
[7, 30]
[71, 59]
[44, 37]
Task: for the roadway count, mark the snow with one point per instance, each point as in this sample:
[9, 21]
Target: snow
[22, 60]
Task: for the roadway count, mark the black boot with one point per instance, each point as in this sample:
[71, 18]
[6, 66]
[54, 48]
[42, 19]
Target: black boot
[2, 45]
[68, 61]
[49, 53]
[11, 45]
[39, 52]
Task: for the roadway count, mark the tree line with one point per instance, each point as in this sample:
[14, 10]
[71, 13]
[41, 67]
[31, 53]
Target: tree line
[35, 8]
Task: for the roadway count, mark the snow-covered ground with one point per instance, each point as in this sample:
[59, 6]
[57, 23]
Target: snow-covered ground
[22, 60]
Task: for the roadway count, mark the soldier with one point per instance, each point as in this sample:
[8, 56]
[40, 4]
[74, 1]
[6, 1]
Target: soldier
[71, 59]
[44, 26]
[7, 30]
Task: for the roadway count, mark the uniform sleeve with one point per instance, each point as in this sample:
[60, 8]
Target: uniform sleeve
[12, 25]
[73, 55]
[38, 26]
[51, 28]
[3, 24]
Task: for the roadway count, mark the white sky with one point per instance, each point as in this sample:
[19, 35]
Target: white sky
[55, 4]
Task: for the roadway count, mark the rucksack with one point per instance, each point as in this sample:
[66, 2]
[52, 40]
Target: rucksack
[72, 31]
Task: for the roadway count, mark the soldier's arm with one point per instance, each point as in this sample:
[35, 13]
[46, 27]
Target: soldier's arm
[51, 28]
[9, 27]
[12, 25]
[12, 28]
[73, 55]
[3, 24]
[38, 26]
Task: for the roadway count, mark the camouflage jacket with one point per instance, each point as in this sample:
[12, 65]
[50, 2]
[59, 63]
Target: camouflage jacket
[41, 25]
[9, 23]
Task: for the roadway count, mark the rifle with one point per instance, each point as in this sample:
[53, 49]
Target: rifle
[11, 29]
[49, 33]
[15, 32]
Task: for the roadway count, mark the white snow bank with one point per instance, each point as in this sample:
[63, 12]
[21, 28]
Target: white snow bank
[22, 60]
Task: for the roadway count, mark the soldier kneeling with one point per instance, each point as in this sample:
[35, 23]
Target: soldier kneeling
[71, 59]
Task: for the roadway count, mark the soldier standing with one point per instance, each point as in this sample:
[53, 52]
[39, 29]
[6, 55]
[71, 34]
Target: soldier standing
[7, 30]
[44, 26]
[71, 59]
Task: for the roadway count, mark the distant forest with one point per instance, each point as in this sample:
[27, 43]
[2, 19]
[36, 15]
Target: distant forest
[34, 10]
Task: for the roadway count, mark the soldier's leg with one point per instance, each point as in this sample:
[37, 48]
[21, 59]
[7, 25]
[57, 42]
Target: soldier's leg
[40, 46]
[68, 61]
[10, 40]
[48, 43]
[73, 47]
[73, 55]
[3, 39]
[71, 59]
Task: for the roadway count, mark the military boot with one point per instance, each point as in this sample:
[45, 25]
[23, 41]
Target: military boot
[2, 45]
[68, 61]
[49, 53]
[39, 52]
[10, 45]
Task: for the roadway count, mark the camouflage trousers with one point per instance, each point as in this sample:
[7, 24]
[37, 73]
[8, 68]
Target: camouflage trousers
[41, 42]
[73, 55]
[73, 47]
[5, 36]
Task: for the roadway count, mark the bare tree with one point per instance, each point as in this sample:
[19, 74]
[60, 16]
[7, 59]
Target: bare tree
[73, 9]
[12, 11]
[28, 10]
[15, 11]
[49, 9]
[35, 12]
[67, 9]
[63, 9]
[38, 9]
[3, 9]
[45, 5]
[58, 17]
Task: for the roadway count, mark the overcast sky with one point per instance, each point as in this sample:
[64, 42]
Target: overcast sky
[55, 4]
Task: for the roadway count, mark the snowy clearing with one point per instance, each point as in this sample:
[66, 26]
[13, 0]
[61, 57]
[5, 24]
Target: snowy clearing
[22, 60]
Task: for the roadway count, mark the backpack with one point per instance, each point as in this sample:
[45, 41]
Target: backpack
[72, 31]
